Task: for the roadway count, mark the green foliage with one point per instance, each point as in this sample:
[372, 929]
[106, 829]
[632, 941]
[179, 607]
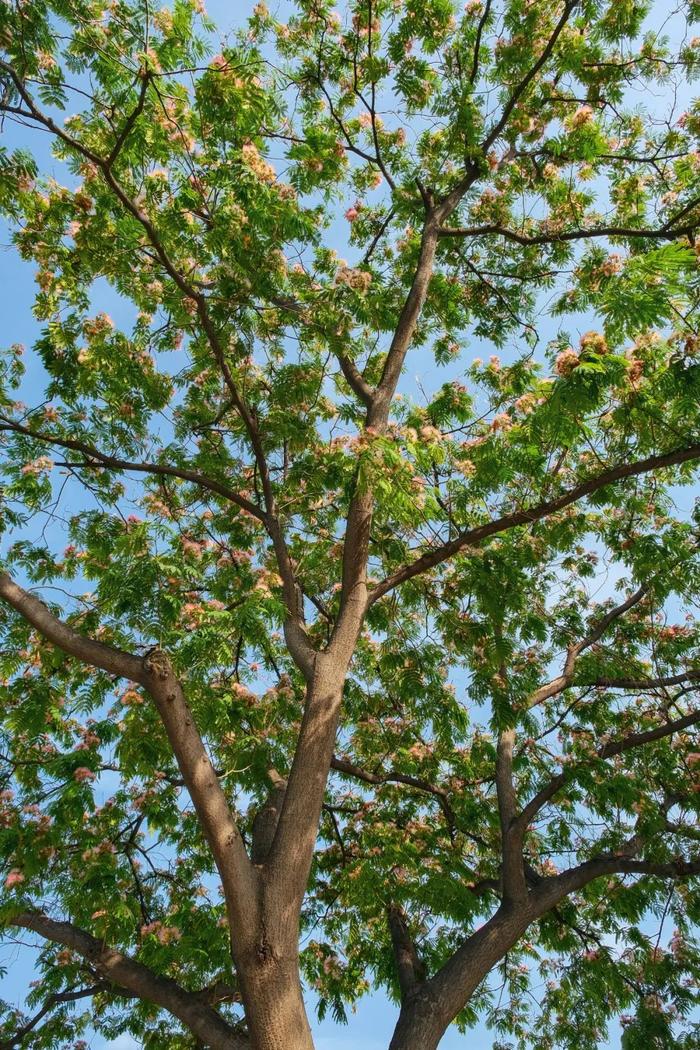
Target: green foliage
[214, 195]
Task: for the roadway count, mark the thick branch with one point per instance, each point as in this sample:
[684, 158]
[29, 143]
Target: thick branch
[156, 674]
[647, 683]
[96, 654]
[410, 970]
[188, 1007]
[425, 1015]
[552, 890]
[514, 886]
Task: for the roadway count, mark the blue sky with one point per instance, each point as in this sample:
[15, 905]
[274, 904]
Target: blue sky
[371, 1027]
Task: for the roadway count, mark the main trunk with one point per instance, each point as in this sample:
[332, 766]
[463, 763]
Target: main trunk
[274, 1006]
[266, 953]
[420, 1026]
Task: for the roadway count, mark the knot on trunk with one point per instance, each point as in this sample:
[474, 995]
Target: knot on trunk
[157, 663]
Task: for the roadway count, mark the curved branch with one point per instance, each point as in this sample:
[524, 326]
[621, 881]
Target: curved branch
[646, 683]
[565, 679]
[188, 1007]
[116, 463]
[524, 84]
[71, 995]
[472, 537]
[662, 233]
[97, 654]
[349, 769]
[155, 673]
[615, 747]
[299, 645]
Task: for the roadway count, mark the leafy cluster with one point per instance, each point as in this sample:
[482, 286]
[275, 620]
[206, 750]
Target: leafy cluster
[211, 193]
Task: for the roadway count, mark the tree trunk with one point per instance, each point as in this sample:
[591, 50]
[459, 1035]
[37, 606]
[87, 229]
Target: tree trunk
[427, 1011]
[420, 1026]
[274, 1006]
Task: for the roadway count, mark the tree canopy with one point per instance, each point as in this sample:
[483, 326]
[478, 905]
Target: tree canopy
[317, 678]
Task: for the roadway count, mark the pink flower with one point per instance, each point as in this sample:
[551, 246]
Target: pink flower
[351, 214]
[38, 466]
[165, 934]
[15, 878]
[82, 774]
[566, 362]
[582, 116]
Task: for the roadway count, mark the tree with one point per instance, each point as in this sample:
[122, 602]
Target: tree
[408, 679]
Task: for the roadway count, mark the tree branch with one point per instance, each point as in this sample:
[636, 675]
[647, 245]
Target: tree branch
[646, 683]
[615, 747]
[96, 654]
[524, 84]
[116, 463]
[474, 536]
[410, 970]
[188, 1007]
[56, 999]
[297, 639]
[155, 673]
[349, 769]
[130, 120]
[662, 233]
[514, 885]
[559, 684]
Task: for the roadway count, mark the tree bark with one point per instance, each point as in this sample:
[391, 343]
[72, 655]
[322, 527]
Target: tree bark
[427, 1012]
[274, 1005]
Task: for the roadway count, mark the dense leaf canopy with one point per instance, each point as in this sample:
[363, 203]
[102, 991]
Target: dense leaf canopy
[240, 467]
